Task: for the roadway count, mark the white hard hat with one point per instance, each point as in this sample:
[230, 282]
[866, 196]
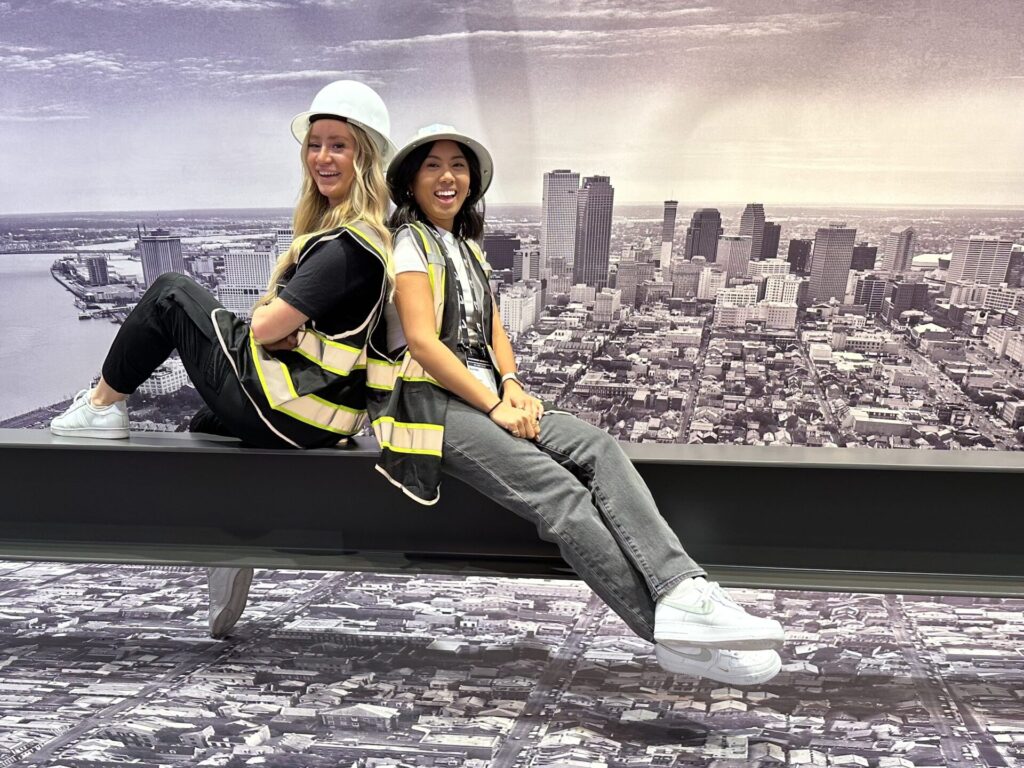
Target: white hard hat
[358, 104]
[441, 132]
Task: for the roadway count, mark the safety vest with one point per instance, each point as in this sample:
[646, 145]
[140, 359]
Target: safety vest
[322, 381]
[407, 405]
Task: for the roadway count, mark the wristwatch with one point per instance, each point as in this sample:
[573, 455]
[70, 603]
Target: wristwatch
[511, 377]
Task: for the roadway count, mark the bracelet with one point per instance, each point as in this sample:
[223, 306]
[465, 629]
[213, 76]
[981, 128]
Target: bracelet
[491, 409]
[511, 377]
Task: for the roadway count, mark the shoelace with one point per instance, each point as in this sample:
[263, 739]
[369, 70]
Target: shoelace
[712, 591]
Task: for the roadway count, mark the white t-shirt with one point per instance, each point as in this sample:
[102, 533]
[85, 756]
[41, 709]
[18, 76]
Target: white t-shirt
[407, 259]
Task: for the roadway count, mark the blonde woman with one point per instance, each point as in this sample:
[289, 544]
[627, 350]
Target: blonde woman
[292, 376]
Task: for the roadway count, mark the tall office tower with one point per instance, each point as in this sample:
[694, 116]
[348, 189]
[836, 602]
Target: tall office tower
[558, 218]
[783, 288]
[246, 274]
[99, 272]
[526, 262]
[1015, 270]
[830, 261]
[752, 226]
[627, 279]
[283, 240]
[770, 241]
[712, 280]
[593, 231]
[980, 259]
[734, 254]
[160, 253]
[898, 249]
[686, 276]
[668, 233]
[607, 304]
[500, 249]
[702, 234]
[870, 292]
[799, 255]
[864, 257]
[904, 295]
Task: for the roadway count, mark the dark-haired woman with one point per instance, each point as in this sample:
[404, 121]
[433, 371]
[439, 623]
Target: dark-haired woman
[446, 398]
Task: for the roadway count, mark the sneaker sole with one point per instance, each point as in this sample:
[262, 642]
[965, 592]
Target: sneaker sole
[226, 618]
[103, 434]
[753, 677]
[717, 638]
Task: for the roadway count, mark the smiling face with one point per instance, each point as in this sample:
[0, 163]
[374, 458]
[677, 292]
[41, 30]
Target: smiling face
[330, 158]
[441, 184]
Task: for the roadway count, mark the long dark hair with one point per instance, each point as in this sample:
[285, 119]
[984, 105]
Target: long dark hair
[469, 221]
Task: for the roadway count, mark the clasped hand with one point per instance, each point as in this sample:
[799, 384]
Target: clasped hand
[519, 413]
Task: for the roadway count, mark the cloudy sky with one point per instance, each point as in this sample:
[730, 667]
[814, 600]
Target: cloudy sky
[163, 104]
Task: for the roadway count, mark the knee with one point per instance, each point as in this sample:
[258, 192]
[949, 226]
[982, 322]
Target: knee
[168, 281]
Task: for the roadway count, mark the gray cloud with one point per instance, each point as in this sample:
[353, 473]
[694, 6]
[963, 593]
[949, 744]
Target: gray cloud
[47, 113]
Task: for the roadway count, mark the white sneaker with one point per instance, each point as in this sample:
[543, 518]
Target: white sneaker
[83, 419]
[229, 590]
[707, 617]
[732, 667]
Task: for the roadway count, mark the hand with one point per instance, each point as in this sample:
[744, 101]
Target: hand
[517, 421]
[288, 343]
[514, 395]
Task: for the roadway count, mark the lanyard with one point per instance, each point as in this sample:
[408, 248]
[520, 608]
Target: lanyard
[475, 288]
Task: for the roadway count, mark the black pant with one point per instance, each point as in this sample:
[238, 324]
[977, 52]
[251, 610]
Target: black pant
[176, 313]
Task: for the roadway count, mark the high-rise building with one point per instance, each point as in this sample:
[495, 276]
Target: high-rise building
[526, 262]
[799, 255]
[898, 250]
[864, 257]
[500, 249]
[668, 233]
[593, 231]
[770, 241]
[160, 253]
[686, 276]
[783, 288]
[765, 267]
[830, 261]
[606, 305]
[902, 296]
[734, 254]
[283, 240]
[980, 259]
[519, 309]
[627, 278]
[712, 280]
[246, 274]
[702, 234]
[752, 226]
[870, 292]
[99, 272]
[1015, 270]
[558, 218]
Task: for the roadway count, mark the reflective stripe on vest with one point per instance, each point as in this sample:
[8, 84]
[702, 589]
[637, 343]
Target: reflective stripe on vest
[338, 360]
[404, 437]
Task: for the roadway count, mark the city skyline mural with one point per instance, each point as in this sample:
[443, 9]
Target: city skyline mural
[747, 223]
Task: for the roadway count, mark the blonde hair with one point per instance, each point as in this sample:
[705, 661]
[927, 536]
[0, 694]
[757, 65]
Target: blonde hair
[366, 202]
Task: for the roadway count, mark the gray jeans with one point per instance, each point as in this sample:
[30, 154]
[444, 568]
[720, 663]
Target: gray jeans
[583, 493]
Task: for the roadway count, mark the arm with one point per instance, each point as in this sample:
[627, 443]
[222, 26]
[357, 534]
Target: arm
[512, 391]
[276, 322]
[414, 302]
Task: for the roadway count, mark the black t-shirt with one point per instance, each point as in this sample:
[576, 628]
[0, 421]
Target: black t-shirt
[337, 285]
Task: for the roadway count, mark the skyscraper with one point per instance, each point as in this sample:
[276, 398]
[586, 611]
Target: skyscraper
[980, 259]
[160, 253]
[686, 276]
[870, 292]
[500, 249]
[752, 226]
[1015, 272]
[246, 274]
[734, 254]
[830, 261]
[593, 231]
[770, 242]
[702, 234]
[558, 218]
[864, 257]
[99, 272]
[799, 255]
[668, 233]
[283, 240]
[898, 249]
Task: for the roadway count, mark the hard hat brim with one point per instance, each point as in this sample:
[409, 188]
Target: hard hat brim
[482, 155]
[300, 127]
